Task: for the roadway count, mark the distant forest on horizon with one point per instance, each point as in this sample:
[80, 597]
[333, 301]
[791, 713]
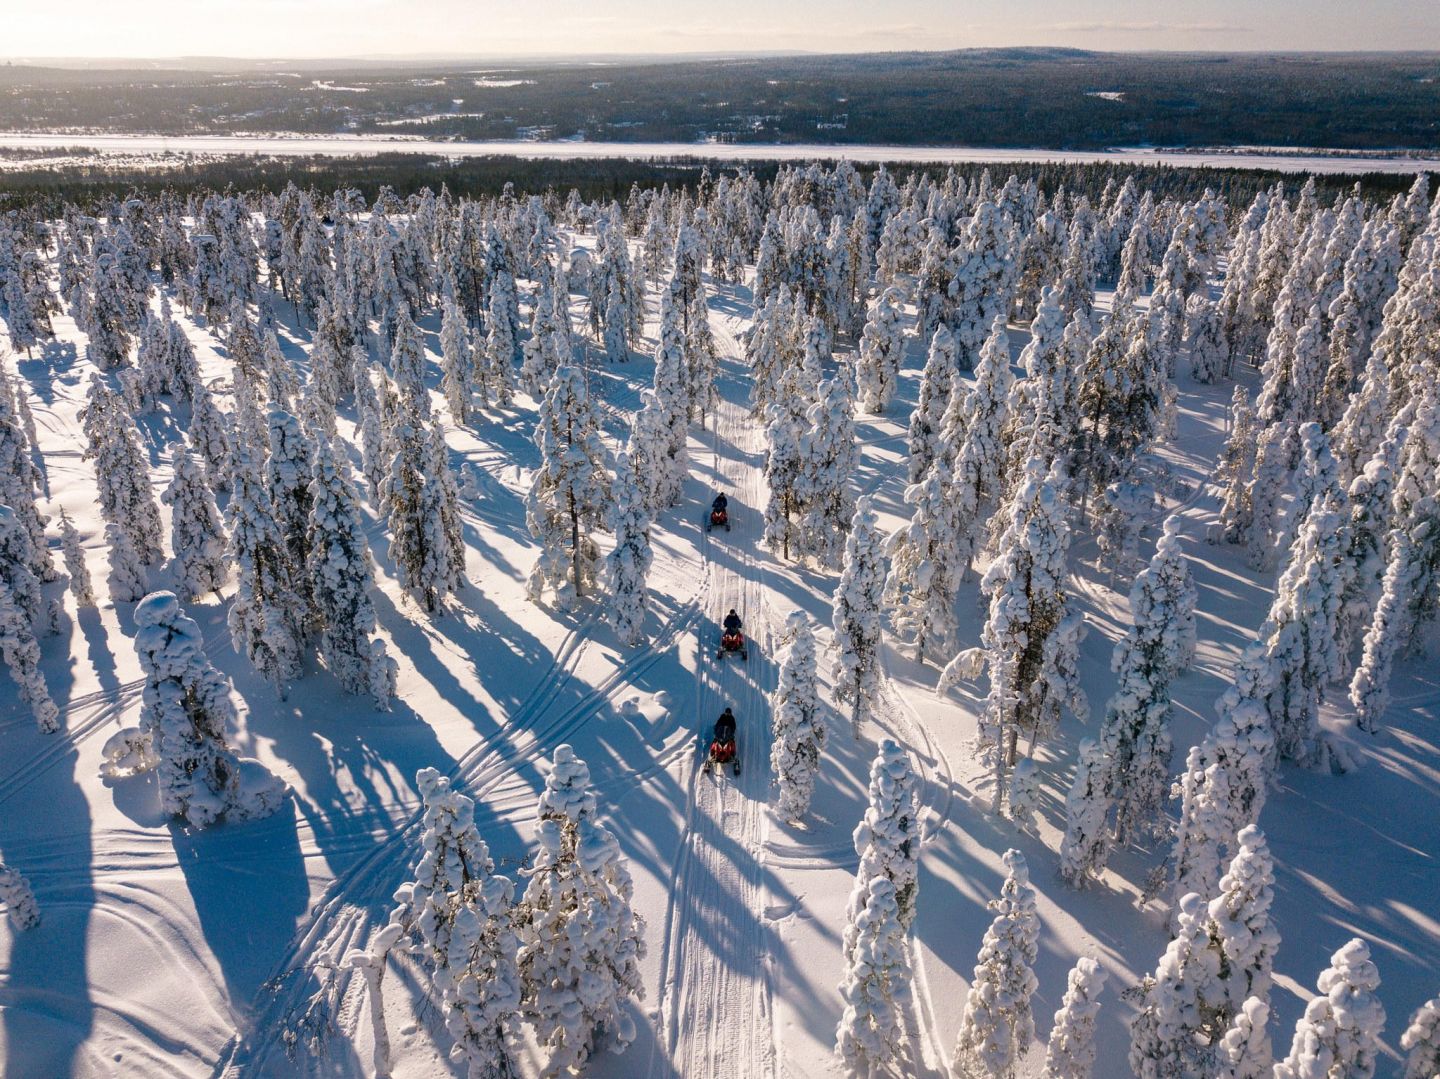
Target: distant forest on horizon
[1030, 97]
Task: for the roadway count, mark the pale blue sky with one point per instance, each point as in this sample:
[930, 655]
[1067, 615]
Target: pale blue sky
[314, 28]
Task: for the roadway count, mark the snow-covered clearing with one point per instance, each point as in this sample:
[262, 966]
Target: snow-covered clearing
[165, 952]
[304, 145]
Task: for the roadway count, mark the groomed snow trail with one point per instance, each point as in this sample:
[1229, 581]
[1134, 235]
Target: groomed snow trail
[714, 997]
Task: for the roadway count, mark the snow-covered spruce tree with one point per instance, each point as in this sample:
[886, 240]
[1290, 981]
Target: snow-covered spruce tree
[1127, 773]
[126, 577]
[264, 617]
[197, 536]
[935, 381]
[580, 941]
[369, 421]
[499, 353]
[1070, 1053]
[1237, 463]
[667, 464]
[1339, 1034]
[570, 491]
[1421, 1042]
[858, 618]
[182, 730]
[997, 1026]
[1223, 785]
[21, 653]
[1182, 1017]
[122, 471]
[872, 1034]
[341, 578]
[980, 290]
[19, 477]
[408, 364]
[1267, 485]
[458, 916]
[1365, 533]
[75, 568]
[976, 444]
[702, 362]
[549, 347]
[288, 475]
[1030, 643]
[1238, 923]
[1299, 635]
[418, 496]
[628, 563]
[1244, 1051]
[799, 730]
[19, 898]
[24, 585]
[1086, 845]
[211, 436]
[785, 464]
[925, 568]
[829, 455]
[882, 346]
[1208, 346]
[887, 839]
[457, 365]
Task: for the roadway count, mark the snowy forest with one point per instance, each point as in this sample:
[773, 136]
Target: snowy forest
[361, 600]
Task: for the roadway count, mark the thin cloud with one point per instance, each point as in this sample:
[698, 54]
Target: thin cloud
[1113, 27]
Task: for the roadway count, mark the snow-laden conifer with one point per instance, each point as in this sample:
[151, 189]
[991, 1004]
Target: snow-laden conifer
[997, 1025]
[1030, 643]
[628, 563]
[1239, 925]
[1244, 1051]
[935, 381]
[1421, 1042]
[1223, 785]
[457, 366]
[75, 567]
[858, 614]
[341, 579]
[24, 584]
[21, 653]
[882, 346]
[581, 943]
[19, 898]
[211, 435]
[196, 534]
[1237, 463]
[925, 565]
[978, 451]
[1339, 1034]
[126, 577]
[458, 917]
[799, 729]
[264, 618]
[122, 471]
[1181, 1018]
[829, 456]
[1208, 346]
[570, 492]
[19, 477]
[887, 839]
[1070, 1053]
[871, 1034]
[183, 724]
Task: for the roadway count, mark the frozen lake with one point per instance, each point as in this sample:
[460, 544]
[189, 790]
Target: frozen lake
[349, 145]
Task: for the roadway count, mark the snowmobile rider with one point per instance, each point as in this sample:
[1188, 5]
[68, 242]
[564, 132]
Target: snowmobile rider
[732, 624]
[720, 504]
[725, 728]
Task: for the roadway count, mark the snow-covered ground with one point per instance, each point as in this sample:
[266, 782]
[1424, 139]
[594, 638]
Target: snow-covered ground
[165, 952]
[283, 145]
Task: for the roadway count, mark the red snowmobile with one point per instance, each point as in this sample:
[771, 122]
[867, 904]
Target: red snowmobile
[732, 639]
[723, 749]
[719, 514]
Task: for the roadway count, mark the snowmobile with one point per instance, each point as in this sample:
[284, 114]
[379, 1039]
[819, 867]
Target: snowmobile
[723, 747]
[731, 642]
[719, 518]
